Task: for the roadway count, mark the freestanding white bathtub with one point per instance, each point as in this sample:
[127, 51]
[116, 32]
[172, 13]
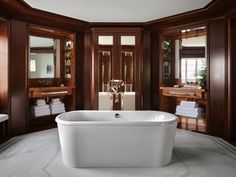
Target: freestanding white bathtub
[116, 138]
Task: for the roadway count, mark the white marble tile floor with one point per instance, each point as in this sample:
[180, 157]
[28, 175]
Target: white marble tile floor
[195, 155]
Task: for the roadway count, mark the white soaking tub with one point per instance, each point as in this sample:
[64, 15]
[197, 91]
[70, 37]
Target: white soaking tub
[116, 138]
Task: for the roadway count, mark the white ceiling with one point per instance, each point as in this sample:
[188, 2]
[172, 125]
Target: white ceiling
[118, 10]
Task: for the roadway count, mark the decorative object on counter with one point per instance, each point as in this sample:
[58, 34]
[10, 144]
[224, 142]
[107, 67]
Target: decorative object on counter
[40, 108]
[56, 106]
[189, 109]
[68, 56]
[166, 58]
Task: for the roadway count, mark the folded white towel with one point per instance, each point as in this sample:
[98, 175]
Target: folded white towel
[40, 107]
[55, 103]
[40, 101]
[39, 113]
[190, 104]
[187, 114]
[56, 99]
[40, 104]
[188, 109]
[58, 111]
[62, 105]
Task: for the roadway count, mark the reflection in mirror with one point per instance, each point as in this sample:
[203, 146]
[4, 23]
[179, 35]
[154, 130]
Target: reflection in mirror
[193, 57]
[44, 57]
[105, 55]
[104, 58]
[127, 68]
[127, 60]
[104, 61]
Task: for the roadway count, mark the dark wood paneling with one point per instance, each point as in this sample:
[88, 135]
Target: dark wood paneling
[18, 77]
[79, 70]
[233, 81]
[88, 89]
[155, 70]
[217, 70]
[146, 43]
[4, 67]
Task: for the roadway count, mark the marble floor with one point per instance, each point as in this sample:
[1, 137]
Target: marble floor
[195, 155]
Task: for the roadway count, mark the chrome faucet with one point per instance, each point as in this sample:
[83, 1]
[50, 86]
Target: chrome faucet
[116, 87]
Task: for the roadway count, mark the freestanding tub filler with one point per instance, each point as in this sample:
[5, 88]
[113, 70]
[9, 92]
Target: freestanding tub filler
[116, 138]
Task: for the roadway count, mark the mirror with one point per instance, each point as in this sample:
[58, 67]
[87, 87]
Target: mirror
[44, 57]
[127, 61]
[192, 64]
[184, 57]
[104, 61]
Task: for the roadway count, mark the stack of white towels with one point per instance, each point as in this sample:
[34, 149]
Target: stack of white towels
[56, 106]
[189, 109]
[40, 108]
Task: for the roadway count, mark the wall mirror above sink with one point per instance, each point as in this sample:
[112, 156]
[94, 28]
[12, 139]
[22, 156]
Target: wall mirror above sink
[44, 57]
[50, 57]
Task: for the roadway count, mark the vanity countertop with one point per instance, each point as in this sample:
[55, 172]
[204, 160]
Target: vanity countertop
[38, 92]
[186, 92]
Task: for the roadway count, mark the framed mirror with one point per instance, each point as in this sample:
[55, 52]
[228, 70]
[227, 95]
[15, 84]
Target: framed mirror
[44, 57]
[50, 57]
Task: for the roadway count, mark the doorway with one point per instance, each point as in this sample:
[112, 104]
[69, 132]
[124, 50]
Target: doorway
[117, 59]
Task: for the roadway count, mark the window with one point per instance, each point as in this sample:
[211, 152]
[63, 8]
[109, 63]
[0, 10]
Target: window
[190, 67]
[32, 65]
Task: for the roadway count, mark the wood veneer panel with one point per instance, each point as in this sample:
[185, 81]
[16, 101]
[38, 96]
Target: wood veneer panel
[18, 77]
[4, 67]
[88, 89]
[146, 70]
[155, 70]
[233, 81]
[217, 74]
[79, 70]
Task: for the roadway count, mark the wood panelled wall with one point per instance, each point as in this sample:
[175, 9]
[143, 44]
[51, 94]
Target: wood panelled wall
[88, 89]
[146, 70]
[232, 84]
[155, 86]
[79, 74]
[217, 78]
[4, 67]
[18, 76]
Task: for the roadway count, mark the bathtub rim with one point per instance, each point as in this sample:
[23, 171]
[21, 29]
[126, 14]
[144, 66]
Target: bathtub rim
[172, 122]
